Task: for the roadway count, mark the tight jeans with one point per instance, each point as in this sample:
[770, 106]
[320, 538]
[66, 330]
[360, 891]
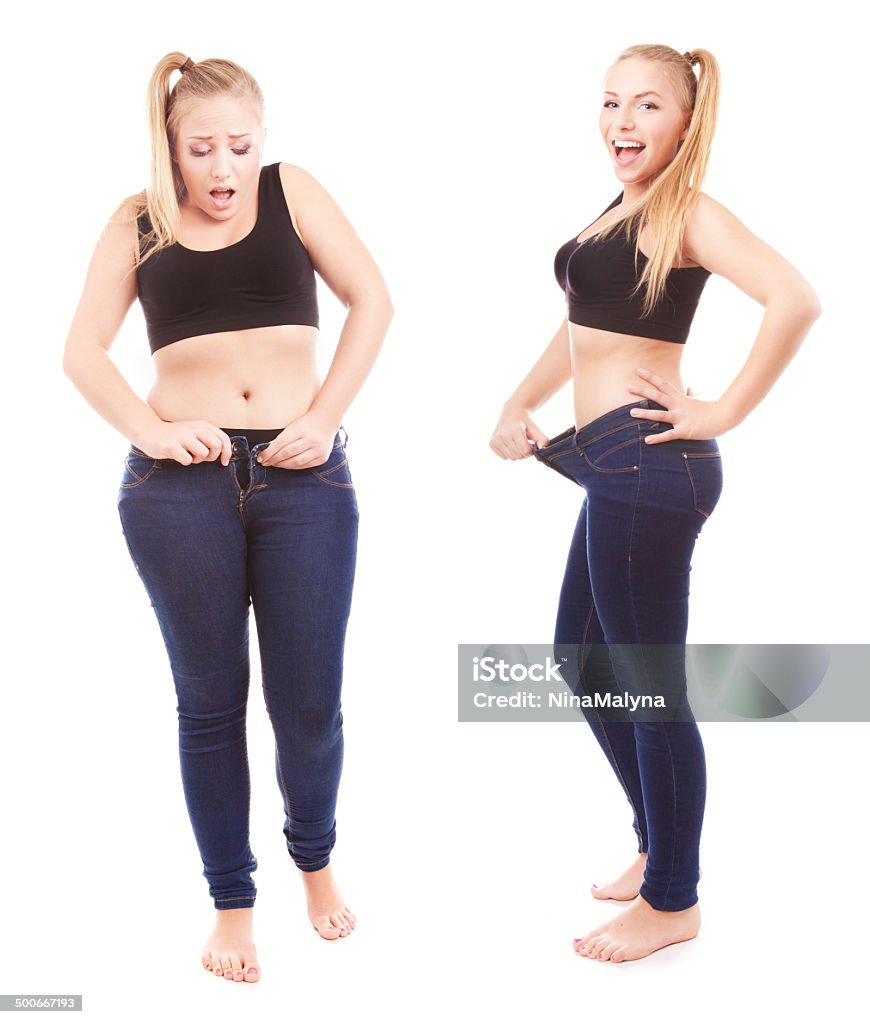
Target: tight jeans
[208, 542]
[623, 618]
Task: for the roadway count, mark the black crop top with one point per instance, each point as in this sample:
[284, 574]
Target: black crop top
[598, 275]
[265, 279]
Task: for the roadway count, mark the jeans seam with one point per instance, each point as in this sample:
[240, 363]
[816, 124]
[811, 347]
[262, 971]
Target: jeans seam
[667, 736]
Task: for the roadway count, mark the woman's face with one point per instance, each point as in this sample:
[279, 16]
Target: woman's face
[218, 144]
[640, 105]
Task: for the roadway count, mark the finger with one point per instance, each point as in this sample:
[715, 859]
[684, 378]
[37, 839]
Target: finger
[219, 444]
[655, 379]
[505, 447]
[226, 447]
[667, 435]
[280, 447]
[662, 415]
[181, 455]
[198, 449]
[288, 435]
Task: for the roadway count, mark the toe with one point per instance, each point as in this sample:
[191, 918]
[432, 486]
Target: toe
[326, 928]
[608, 951]
[226, 967]
[235, 967]
[252, 972]
[618, 955]
[216, 967]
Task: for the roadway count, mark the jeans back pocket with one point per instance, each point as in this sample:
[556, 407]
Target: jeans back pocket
[705, 475]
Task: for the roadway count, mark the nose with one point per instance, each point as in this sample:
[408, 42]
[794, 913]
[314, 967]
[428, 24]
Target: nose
[220, 168]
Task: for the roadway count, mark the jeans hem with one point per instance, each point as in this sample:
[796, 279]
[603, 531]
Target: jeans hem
[668, 905]
[233, 902]
[316, 866]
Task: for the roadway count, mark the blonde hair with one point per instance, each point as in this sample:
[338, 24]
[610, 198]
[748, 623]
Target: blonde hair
[677, 187]
[166, 107]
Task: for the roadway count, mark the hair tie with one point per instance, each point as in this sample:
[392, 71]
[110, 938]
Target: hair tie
[689, 57]
[186, 66]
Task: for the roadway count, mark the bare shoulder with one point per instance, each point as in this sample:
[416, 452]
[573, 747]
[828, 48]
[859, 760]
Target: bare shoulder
[302, 191]
[119, 238]
[300, 185]
[717, 239]
[708, 214]
[710, 226]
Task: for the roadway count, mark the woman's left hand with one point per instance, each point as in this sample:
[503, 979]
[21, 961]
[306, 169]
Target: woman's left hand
[690, 417]
[302, 444]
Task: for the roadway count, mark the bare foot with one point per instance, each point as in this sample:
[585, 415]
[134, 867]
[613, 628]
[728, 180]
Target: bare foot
[327, 911]
[639, 931]
[627, 886]
[229, 951]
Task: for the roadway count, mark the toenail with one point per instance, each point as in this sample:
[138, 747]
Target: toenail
[252, 970]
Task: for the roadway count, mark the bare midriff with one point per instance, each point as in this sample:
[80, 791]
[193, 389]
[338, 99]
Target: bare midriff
[258, 378]
[604, 363]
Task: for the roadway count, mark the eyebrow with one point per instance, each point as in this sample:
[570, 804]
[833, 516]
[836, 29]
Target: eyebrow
[649, 92]
[241, 135]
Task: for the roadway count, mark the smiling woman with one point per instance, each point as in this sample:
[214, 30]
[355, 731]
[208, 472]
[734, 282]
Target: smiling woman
[651, 468]
[222, 253]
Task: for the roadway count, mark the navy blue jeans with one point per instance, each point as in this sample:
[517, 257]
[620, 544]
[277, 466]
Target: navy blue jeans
[210, 541]
[623, 618]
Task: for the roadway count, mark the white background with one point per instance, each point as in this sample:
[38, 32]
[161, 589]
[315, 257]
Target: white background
[461, 140]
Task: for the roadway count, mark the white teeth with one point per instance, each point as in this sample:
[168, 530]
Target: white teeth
[623, 145]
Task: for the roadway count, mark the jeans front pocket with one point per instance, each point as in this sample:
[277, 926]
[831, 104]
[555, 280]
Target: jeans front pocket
[336, 470]
[138, 467]
[705, 475]
[615, 451]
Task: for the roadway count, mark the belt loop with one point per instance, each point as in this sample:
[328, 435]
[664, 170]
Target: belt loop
[341, 428]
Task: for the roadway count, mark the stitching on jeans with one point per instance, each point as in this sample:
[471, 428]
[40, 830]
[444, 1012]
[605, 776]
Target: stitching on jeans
[332, 483]
[326, 472]
[604, 469]
[687, 457]
[139, 479]
[666, 733]
[622, 426]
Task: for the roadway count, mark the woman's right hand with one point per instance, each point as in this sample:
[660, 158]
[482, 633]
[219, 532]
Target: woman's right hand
[514, 434]
[187, 442]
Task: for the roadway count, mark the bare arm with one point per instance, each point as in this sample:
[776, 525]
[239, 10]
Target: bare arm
[717, 240]
[109, 291]
[515, 428]
[347, 267]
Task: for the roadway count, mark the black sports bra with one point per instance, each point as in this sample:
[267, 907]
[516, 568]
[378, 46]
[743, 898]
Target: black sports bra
[265, 279]
[598, 275]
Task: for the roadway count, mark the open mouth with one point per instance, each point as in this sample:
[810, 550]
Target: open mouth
[222, 196]
[626, 151]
